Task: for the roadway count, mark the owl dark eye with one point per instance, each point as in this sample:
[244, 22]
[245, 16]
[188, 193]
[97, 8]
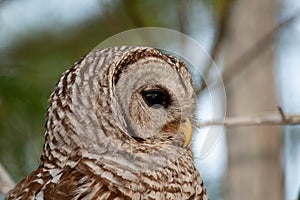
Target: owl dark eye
[156, 98]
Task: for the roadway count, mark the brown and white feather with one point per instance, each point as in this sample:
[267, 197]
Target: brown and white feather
[90, 151]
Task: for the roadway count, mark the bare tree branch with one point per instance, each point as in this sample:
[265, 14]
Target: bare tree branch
[6, 183]
[257, 49]
[183, 21]
[254, 120]
[223, 18]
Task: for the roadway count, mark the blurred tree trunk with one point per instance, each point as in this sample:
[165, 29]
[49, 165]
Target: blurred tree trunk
[254, 170]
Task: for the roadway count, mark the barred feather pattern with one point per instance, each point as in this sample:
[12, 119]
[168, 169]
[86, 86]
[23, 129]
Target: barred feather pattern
[89, 152]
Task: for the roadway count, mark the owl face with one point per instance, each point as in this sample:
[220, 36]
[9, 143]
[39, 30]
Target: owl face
[156, 97]
[118, 101]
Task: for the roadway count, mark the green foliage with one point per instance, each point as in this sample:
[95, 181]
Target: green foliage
[31, 66]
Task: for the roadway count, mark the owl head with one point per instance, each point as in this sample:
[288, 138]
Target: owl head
[121, 99]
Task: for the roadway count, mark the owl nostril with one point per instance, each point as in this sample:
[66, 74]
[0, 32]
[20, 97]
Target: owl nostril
[156, 98]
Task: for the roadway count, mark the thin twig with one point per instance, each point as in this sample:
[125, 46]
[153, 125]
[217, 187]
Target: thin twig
[6, 183]
[255, 120]
[223, 18]
[257, 49]
[183, 21]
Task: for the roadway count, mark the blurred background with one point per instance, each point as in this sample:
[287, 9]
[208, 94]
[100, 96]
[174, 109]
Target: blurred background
[255, 45]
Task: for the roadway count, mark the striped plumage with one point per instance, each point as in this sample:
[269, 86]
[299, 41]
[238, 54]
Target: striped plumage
[103, 141]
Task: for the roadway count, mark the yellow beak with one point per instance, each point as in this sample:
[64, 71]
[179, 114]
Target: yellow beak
[187, 130]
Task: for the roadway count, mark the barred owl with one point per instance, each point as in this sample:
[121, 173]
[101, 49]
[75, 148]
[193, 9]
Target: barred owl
[118, 127]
